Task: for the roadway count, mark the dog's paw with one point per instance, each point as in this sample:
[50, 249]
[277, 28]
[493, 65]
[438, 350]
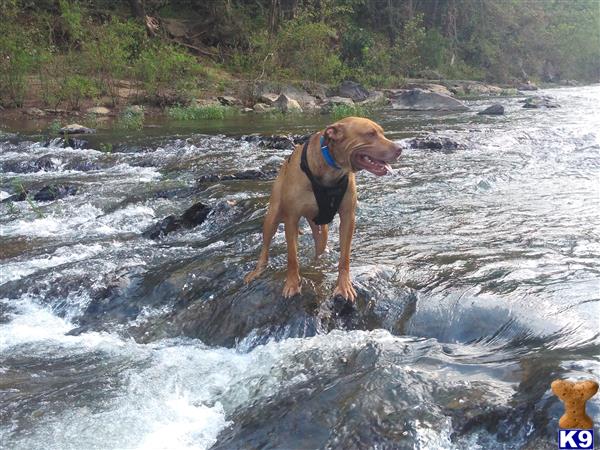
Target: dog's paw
[291, 287]
[345, 289]
[253, 275]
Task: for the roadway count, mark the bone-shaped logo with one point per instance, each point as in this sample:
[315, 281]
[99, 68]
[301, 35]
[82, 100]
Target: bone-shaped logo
[574, 395]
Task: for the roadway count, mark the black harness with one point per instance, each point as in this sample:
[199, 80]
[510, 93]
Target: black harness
[328, 197]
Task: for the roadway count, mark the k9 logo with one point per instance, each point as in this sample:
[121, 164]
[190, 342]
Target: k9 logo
[575, 439]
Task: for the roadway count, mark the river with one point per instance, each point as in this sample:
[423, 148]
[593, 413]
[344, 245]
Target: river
[477, 271]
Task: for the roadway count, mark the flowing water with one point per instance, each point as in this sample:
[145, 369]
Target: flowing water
[477, 273]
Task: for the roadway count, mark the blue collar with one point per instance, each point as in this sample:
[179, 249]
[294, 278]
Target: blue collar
[328, 158]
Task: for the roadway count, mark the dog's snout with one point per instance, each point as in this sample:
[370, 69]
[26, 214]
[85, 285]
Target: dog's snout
[397, 150]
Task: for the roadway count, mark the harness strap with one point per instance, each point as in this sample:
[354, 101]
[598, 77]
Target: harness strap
[328, 198]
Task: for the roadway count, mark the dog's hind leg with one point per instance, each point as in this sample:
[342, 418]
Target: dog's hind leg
[320, 233]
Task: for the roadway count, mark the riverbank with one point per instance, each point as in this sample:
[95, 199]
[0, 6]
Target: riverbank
[269, 98]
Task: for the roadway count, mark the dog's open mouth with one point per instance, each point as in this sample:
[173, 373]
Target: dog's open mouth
[365, 161]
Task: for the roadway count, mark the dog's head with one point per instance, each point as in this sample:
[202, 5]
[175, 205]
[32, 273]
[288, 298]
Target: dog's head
[358, 143]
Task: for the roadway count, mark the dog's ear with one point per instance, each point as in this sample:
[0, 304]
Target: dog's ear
[334, 132]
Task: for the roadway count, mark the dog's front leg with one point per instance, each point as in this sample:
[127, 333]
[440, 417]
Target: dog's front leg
[292, 280]
[344, 283]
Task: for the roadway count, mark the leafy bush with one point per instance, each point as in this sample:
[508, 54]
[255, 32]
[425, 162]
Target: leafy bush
[132, 118]
[168, 74]
[196, 112]
[305, 49]
[75, 88]
[340, 111]
[109, 52]
[16, 61]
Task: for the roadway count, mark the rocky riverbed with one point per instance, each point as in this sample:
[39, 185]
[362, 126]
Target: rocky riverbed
[476, 266]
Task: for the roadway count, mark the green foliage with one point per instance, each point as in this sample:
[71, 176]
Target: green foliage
[132, 118]
[17, 59]
[75, 88]
[168, 74]
[197, 112]
[71, 21]
[110, 51]
[54, 128]
[305, 49]
[340, 111]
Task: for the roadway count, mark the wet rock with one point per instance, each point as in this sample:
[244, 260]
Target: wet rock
[193, 216]
[494, 110]
[68, 142]
[44, 163]
[75, 128]
[540, 102]
[280, 142]
[228, 100]
[420, 100]
[54, 192]
[247, 110]
[18, 197]
[350, 89]
[82, 165]
[249, 174]
[436, 143]
[98, 110]
[287, 104]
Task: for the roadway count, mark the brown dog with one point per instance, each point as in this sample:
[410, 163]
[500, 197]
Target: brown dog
[327, 163]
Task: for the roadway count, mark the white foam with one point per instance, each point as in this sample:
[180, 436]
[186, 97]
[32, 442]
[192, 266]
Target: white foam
[19, 269]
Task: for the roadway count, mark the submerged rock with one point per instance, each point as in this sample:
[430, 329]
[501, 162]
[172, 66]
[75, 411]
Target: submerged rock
[495, 110]
[420, 100]
[44, 163]
[540, 102]
[193, 216]
[54, 192]
[436, 143]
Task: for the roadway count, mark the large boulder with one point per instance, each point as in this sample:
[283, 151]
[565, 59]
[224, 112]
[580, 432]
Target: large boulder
[287, 104]
[351, 89]
[268, 98]
[494, 110]
[304, 99]
[262, 108]
[430, 87]
[421, 100]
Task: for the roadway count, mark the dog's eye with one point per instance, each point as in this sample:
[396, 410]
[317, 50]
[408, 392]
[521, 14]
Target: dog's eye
[372, 133]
